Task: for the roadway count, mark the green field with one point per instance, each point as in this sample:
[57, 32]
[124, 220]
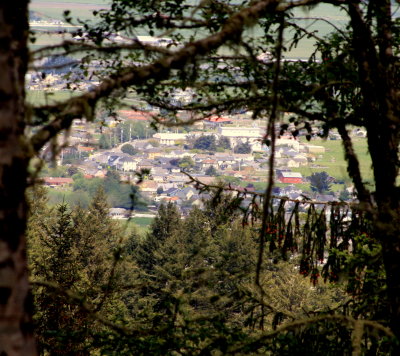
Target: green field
[139, 225]
[40, 97]
[78, 8]
[332, 161]
[83, 9]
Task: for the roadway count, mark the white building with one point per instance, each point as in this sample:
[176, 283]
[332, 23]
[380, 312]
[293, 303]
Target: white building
[169, 138]
[242, 134]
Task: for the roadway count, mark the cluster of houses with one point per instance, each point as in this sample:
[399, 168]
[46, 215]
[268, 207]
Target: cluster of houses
[161, 154]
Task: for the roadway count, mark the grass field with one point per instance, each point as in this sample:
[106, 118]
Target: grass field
[79, 8]
[139, 225]
[332, 161]
[40, 97]
[83, 9]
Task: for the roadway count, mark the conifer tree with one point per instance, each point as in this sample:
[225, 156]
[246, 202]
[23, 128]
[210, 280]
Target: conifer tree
[166, 223]
[55, 260]
[79, 268]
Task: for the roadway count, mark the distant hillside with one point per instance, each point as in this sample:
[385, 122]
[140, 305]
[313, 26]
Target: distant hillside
[36, 16]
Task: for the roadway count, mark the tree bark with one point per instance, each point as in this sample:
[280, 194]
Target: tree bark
[16, 332]
[382, 121]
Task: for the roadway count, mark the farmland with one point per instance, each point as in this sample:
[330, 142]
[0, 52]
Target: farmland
[83, 9]
[55, 9]
[332, 161]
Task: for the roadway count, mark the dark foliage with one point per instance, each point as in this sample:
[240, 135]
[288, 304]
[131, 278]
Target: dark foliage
[129, 149]
[243, 148]
[320, 182]
[207, 143]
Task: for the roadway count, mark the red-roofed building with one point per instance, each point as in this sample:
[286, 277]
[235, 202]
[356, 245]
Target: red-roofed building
[85, 149]
[135, 115]
[57, 181]
[289, 177]
[171, 199]
[217, 121]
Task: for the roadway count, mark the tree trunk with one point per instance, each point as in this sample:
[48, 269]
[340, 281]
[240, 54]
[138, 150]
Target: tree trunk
[376, 69]
[16, 332]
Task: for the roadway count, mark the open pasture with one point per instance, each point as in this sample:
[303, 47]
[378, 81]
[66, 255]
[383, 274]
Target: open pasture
[41, 97]
[332, 161]
[82, 9]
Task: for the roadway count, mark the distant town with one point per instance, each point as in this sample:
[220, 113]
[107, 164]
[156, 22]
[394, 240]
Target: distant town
[223, 149]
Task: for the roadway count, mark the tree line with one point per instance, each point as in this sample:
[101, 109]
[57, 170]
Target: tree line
[186, 286]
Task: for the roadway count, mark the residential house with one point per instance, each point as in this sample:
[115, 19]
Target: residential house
[186, 193]
[170, 168]
[178, 179]
[153, 153]
[225, 162]
[287, 162]
[243, 157]
[288, 152]
[198, 157]
[126, 164]
[301, 159]
[149, 188]
[160, 174]
[145, 164]
[101, 158]
[326, 197]
[197, 202]
[207, 163]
